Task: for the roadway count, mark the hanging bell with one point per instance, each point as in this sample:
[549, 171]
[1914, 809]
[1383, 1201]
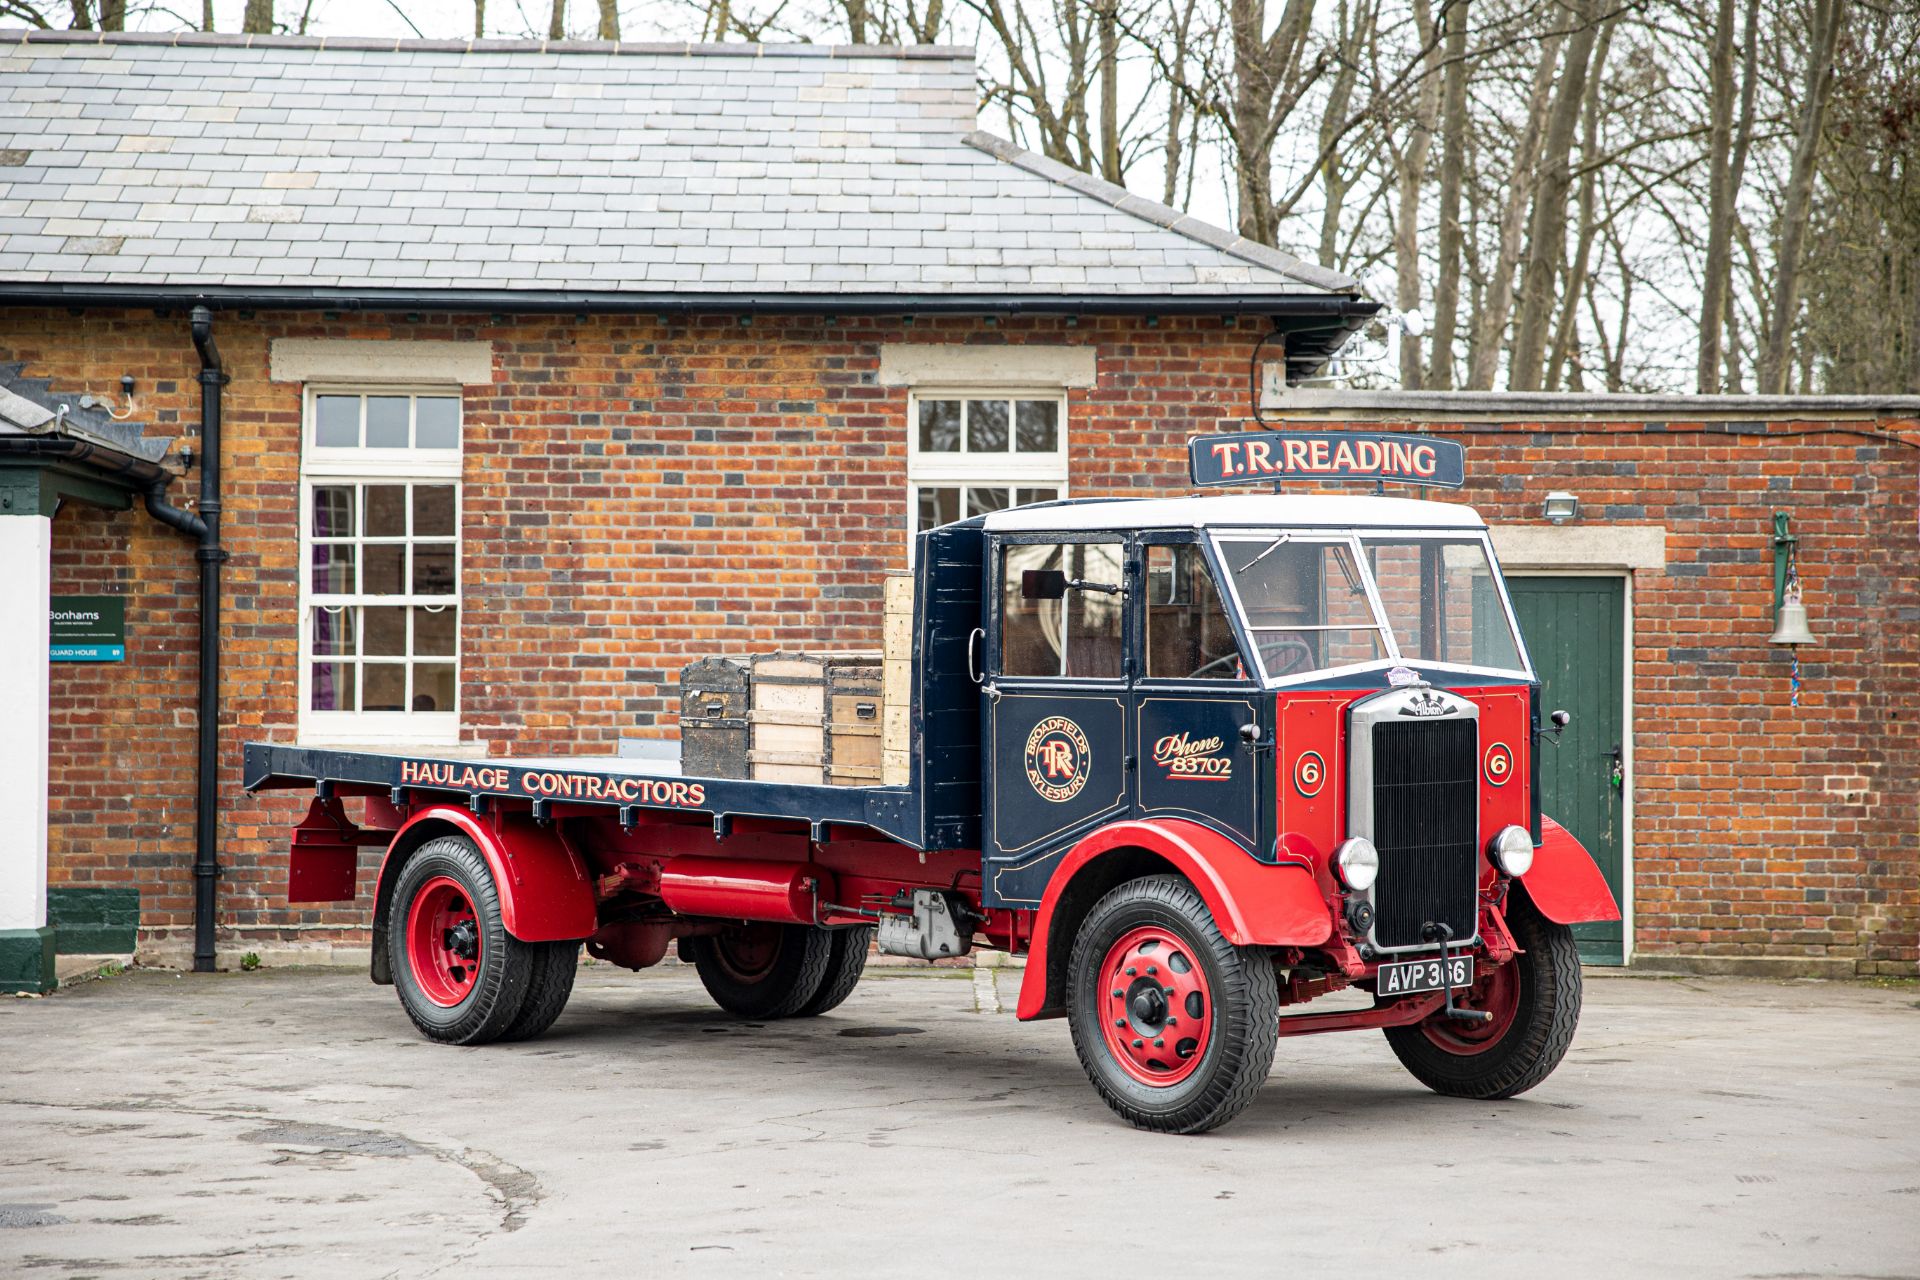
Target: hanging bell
[1790, 625]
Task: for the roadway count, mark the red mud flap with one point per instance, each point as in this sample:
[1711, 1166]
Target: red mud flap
[324, 860]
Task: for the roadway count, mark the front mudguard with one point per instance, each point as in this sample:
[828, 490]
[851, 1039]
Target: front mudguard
[1565, 883]
[1253, 903]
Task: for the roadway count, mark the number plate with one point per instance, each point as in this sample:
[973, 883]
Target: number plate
[1424, 975]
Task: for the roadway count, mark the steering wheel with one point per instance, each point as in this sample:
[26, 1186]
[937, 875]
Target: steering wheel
[1299, 651]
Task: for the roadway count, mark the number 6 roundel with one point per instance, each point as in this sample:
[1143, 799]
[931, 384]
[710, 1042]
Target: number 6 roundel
[1309, 774]
[1499, 764]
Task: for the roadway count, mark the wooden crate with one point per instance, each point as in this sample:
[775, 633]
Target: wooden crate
[713, 718]
[798, 702]
[899, 591]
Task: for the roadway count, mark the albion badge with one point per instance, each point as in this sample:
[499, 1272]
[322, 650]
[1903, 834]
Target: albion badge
[1058, 758]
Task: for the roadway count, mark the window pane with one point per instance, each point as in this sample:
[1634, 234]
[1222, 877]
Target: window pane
[333, 511]
[332, 569]
[382, 576]
[987, 426]
[386, 686]
[333, 631]
[1036, 424]
[938, 507]
[386, 632]
[1307, 604]
[434, 630]
[1187, 633]
[1023, 496]
[432, 569]
[436, 422]
[1440, 599]
[433, 686]
[332, 687]
[386, 511]
[433, 510]
[387, 422]
[980, 501]
[1078, 636]
[940, 426]
[336, 421]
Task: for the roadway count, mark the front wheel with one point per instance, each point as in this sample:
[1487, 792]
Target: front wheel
[1175, 1026]
[762, 970]
[1535, 1002]
[461, 976]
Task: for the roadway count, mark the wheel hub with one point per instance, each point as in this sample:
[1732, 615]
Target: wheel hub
[1495, 991]
[1156, 1010]
[443, 941]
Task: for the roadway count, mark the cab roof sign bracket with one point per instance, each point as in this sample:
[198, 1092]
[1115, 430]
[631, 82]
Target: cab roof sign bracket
[1268, 457]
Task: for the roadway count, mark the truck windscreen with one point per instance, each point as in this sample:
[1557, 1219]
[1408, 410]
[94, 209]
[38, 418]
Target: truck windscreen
[1306, 603]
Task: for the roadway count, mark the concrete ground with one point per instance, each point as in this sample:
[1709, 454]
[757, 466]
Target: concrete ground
[286, 1123]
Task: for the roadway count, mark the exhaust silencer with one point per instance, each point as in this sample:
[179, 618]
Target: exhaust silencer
[735, 889]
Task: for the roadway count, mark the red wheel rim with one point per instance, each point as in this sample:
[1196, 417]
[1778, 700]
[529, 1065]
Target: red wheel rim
[1495, 991]
[443, 941]
[1156, 1010]
[747, 955]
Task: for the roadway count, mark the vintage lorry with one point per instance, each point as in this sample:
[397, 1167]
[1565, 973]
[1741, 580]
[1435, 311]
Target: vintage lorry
[1200, 760]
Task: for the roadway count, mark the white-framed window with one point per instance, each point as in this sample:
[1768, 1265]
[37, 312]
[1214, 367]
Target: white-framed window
[380, 565]
[971, 451]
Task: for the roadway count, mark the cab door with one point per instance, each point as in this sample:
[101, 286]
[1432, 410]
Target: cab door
[1058, 744]
[1203, 727]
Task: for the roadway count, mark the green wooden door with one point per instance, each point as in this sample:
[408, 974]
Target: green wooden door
[1575, 630]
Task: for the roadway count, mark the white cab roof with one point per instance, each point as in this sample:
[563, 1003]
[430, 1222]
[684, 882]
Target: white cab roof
[1256, 510]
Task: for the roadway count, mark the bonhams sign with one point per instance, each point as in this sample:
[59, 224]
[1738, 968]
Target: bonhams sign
[1253, 457]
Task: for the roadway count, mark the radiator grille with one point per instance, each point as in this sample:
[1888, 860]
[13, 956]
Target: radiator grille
[1426, 796]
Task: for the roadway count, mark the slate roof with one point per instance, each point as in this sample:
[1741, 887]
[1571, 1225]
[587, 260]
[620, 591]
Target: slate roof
[233, 162]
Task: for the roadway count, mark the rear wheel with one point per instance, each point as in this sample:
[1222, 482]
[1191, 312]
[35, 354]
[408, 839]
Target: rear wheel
[1535, 1002]
[461, 976]
[1175, 1026]
[762, 970]
[551, 982]
[846, 962]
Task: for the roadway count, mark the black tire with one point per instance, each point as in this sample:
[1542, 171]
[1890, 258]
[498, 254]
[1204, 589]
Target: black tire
[762, 971]
[845, 963]
[554, 965]
[1546, 1010]
[504, 965]
[1241, 1027]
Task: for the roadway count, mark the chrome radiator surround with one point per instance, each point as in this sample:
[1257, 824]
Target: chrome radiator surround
[1408, 705]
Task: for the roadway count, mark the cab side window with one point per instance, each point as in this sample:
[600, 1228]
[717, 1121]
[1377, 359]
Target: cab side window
[1078, 636]
[1188, 637]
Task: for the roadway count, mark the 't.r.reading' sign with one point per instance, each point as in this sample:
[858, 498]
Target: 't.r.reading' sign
[1250, 457]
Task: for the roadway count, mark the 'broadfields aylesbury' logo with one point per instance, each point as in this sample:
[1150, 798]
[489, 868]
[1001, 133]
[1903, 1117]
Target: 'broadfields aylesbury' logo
[1187, 757]
[1057, 759]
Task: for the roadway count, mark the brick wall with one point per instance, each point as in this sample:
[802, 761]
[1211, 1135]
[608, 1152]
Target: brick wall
[641, 492]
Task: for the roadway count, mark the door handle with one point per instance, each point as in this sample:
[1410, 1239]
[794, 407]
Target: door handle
[974, 671]
[1618, 776]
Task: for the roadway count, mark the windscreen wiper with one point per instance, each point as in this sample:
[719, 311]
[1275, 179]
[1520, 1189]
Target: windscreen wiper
[1271, 547]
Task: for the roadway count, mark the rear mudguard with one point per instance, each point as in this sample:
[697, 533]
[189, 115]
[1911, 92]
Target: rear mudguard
[1565, 882]
[546, 891]
[1253, 903]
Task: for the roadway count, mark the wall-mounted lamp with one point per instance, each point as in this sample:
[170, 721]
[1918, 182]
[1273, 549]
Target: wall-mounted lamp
[1561, 507]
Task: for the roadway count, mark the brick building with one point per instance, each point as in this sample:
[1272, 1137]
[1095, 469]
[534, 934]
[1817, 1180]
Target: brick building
[551, 369]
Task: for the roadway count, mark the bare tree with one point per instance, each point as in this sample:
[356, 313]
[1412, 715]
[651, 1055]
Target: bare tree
[1547, 237]
[557, 25]
[1412, 176]
[258, 18]
[1797, 202]
[1453, 164]
[609, 19]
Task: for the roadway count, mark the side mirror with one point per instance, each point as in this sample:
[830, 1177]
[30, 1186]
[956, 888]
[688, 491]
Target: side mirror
[1561, 719]
[1043, 584]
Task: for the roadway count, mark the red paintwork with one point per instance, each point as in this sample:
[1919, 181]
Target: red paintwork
[545, 892]
[786, 893]
[1565, 882]
[632, 944]
[1495, 990]
[1399, 1013]
[1312, 734]
[1156, 1047]
[1505, 720]
[325, 855]
[443, 976]
[1254, 904]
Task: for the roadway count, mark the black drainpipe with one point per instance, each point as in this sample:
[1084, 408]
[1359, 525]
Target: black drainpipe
[210, 554]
